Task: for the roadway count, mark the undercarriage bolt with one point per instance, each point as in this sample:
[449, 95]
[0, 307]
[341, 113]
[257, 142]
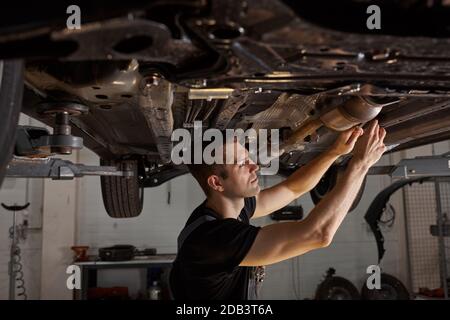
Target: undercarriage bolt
[62, 127]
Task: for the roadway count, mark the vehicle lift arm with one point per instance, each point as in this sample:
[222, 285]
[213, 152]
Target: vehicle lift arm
[58, 169]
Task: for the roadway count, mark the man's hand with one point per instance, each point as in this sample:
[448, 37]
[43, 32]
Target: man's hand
[345, 141]
[370, 147]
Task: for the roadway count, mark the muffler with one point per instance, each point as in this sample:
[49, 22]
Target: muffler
[356, 110]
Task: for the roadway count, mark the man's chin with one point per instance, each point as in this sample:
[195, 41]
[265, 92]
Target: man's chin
[254, 191]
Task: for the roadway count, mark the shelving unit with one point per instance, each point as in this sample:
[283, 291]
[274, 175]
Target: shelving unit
[89, 269]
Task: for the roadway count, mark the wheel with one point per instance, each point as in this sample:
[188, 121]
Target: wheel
[122, 196]
[11, 90]
[336, 288]
[391, 289]
[328, 181]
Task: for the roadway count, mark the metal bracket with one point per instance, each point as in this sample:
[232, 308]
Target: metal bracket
[210, 93]
[437, 166]
[58, 169]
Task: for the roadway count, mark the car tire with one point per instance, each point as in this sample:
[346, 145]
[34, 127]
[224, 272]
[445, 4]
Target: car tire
[336, 288]
[11, 91]
[391, 289]
[328, 181]
[122, 196]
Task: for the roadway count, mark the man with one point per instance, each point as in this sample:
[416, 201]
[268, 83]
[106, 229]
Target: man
[217, 253]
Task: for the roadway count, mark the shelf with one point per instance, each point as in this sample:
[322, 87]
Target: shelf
[158, 259]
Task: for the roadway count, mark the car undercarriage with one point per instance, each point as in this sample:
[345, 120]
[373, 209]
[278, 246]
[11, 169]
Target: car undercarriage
[125, 82]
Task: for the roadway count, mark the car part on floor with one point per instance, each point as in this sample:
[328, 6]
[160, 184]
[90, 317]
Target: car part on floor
[123, 197]
[58, 169]
[391, 289]
[11, 88]
[327, 183]
[336, 288]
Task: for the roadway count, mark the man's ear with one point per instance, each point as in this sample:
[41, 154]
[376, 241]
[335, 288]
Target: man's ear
[215, 183]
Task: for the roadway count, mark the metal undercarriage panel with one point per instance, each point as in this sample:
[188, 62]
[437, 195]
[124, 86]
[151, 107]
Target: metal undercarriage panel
[233, 64]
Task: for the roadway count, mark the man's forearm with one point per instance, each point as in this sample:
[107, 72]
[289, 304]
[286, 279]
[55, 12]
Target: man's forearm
[298, 183]
[281, 241]
[328, 215]
[309, 175]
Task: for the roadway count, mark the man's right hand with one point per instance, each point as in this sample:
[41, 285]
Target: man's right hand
[370, 147]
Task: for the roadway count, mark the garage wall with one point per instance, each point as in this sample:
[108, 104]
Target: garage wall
[14, 191]
[21, 191]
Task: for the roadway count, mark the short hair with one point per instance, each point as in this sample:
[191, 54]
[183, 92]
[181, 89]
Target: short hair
[201, 171]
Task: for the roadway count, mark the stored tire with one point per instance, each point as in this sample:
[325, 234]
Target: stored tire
[336, 288]
[11, 91]
[328, 181]
[391, 289]
[122, 196]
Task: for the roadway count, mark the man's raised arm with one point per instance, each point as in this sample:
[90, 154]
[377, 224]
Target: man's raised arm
[306, 177]
[281, 241]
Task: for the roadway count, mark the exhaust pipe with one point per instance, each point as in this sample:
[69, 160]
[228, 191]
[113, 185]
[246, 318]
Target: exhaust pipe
[356, 110]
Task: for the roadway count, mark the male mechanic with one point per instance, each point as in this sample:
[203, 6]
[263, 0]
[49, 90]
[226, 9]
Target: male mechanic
[217, 257]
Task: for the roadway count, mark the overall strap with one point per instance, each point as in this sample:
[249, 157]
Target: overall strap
[191, 227]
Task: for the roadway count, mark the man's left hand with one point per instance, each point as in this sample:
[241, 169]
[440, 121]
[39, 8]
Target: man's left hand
[346, 141]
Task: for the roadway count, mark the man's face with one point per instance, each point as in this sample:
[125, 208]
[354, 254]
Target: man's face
[242, 180]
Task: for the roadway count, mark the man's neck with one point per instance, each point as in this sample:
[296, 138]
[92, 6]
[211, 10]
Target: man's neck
[225, 207]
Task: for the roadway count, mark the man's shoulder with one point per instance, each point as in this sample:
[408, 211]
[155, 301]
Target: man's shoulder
[245, 214]
[198, 212]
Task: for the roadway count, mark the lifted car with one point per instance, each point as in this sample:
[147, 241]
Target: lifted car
[133, 73]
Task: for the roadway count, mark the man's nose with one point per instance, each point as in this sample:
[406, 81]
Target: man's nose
[253, 166]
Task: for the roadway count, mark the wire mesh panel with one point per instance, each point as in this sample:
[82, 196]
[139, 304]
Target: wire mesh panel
[443, 231]
[420, 207]
[428, 253]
